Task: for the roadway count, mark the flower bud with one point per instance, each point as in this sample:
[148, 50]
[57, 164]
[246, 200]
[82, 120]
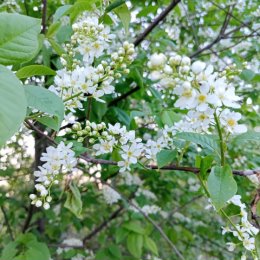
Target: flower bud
[198, 66]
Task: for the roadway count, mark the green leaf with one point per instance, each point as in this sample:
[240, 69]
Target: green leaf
[221, 185]
[74, 202]
[51, 122]
[165, 157]
[61, 11]
[115, 251]
[169, 117]
[37, 251]
[12, 104]
[135, 244]
[53, 29]
[257, 244]
[18, 38]
[124, 15]
[205, 165]
[79, 7]
[137, 77]
[247, 75]
[248, 136]
[150, 245]
[56, 47]
[45, 101]
[134, 226]
[34, 70]
[121, 234]
[9, 251]
[206, 141]
[114, 5]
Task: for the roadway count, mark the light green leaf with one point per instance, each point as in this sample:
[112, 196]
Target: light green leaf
[257, 245]
[12, 104]
[135, 244]
[134, 226]
[45, 101]
[206, 141]
[18, 38]
[169, 117]
[248, 136]
[247, 75]
[115, 251]
[34, 70]
[221, 185]
[124, 15]
[74, 202]
[165, 157]
[9, 251]
[150, 245]
[61, 11]
[53, 29]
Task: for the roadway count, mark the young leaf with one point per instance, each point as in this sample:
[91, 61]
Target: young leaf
[135, 244]
[45, 101]
[124, 15]
[221, 185]
[19, 38]
[114, 5]
[12, 104]
[248, 136]
[165, 157]
[74, 202]
[134, 226]
[257, 245]
[150, 245]
[34, 70]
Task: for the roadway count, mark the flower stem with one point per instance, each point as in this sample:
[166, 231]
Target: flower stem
[221, 141]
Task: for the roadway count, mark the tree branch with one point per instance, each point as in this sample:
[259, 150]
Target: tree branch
[156, 21]
[99, 228]
[172, 167]
[218, 38]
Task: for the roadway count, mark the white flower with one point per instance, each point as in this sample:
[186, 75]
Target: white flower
[186, 95]
[201, 100]
[249, 243]
[229, 120]
[110, 195]
[231, 246]
[157, 60]
[104, 146]
[124, 166]
[198, 66]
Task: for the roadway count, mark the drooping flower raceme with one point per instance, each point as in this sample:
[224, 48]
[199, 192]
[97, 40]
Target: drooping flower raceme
[199, 89]
[81, 77]
[57, 160]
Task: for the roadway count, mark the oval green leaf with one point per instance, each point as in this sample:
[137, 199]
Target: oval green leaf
[12, 104]
[18, 38]
[34, 70]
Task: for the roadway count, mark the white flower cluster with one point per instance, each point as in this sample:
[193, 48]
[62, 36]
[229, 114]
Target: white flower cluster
[56, 161]
[105, 139]
[80, 78]
[110, 195]
[199, 89]
[244, 231]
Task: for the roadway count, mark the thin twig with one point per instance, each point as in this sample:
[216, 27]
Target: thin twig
[156, 21]
[9, 229]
